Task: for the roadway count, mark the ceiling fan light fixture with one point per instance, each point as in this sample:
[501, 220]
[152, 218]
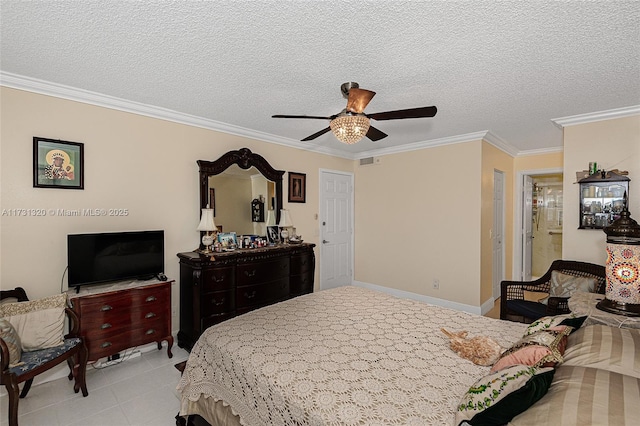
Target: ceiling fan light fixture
[350, 128]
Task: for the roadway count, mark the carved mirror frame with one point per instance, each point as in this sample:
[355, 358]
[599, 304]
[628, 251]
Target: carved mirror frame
[245, 159]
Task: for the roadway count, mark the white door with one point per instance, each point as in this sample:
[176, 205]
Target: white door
[527, 227]
[336, 229]
[498, 231]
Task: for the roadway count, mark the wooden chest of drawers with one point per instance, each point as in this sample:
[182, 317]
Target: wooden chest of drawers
[116, 320]
[214, 289]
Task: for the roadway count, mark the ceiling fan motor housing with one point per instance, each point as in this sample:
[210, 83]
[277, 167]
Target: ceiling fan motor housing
[345, 87]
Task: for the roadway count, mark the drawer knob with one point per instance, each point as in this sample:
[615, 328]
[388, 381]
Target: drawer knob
[218, 279]
[105, 326]
[150, 331]
[151, 299]
[150, 315]
[106, 344]
[250, 296]
[106, 308]
[215, 302]
[250, 274]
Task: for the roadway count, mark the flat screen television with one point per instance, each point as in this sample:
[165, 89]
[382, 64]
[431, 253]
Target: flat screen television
[114, 256]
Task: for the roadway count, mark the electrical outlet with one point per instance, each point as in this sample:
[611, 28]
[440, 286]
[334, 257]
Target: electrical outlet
[436, 283]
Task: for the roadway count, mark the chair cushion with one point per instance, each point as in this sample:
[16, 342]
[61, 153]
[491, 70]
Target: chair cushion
[526, 308]
[39, 323]
[33, 359]
[564, 285]
[11, 338]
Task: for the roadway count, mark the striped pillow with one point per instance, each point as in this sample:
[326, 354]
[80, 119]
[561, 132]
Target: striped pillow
[585, 396]
[608, 348]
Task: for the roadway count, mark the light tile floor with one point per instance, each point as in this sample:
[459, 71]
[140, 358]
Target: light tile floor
[139, 391]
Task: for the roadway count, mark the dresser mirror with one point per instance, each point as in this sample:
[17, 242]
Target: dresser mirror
[232, 182]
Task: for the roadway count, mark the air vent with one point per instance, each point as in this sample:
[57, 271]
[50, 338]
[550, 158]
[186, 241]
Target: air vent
[369, 161]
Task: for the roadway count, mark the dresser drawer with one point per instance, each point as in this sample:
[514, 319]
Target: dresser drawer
[301, 284]
[262, 293]
[260, 272]
[217, 302]
[216, 319]
[301, 264]
[111, 340]
[102, 305]
[217, 278]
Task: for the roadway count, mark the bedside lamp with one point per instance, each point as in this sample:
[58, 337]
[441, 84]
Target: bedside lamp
[623, 266]
[285, 222]
[209, 227]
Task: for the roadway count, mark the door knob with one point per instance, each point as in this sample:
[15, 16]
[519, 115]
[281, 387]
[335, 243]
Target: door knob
[324, 241]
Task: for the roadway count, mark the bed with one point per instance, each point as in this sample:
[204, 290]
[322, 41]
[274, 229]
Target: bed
[336, 357]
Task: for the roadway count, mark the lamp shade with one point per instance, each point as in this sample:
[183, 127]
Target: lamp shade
[623, 267]
[350, 128]
[271, 218]
[285, 219]
[206, 221]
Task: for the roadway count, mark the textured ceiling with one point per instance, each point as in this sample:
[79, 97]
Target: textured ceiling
[508, 68]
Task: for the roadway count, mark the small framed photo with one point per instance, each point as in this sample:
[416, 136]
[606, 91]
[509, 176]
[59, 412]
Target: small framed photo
[297, 187]
[58, 164]
[227, 239]
[273, 234]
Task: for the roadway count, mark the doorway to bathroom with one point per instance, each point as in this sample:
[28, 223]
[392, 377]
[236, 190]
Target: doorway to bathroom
[539, 219]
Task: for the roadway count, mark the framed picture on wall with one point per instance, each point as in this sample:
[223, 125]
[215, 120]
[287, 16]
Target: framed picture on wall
[58, 164]
[297, 187]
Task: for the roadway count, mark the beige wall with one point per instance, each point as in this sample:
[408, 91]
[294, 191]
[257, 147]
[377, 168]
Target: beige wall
[613, 144]
[538, 162]
[494, 159]
[145, 165]
[417, 219]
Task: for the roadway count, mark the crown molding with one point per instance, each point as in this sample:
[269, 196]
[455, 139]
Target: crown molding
[42, 87]
[84, 96]
[469, 137]
[540, 151]
[596, 116]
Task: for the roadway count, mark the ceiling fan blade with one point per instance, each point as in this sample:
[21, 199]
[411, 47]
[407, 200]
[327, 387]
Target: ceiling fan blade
[375, 134]
[359, 99]
[301, 116]
[429, 111]
[315, 135]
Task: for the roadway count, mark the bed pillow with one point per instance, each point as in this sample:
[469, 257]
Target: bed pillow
[39, 323]
[564, 285]
[546, 323]
[496, 398]
[585, 396]
[540, 349]
[609, 348]
[11, 338]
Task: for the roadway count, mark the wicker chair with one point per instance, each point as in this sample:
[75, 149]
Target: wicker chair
[513, 291]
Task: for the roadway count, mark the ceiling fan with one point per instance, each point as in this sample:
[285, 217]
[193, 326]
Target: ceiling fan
[352, 124]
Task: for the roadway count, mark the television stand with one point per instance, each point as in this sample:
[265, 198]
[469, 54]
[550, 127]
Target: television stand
[114, 318]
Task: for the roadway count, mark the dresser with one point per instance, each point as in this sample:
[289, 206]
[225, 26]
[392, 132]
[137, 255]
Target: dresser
[216, 287]
[122, 317]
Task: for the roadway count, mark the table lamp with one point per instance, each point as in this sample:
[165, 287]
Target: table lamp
[209, 227]
[285, 223]
[623, 266]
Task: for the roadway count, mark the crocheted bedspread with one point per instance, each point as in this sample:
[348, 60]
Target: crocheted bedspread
[343, 356]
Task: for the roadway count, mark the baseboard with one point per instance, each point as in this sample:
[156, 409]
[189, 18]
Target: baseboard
[478, 310]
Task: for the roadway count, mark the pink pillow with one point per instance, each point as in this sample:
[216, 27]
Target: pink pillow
[540, 349]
